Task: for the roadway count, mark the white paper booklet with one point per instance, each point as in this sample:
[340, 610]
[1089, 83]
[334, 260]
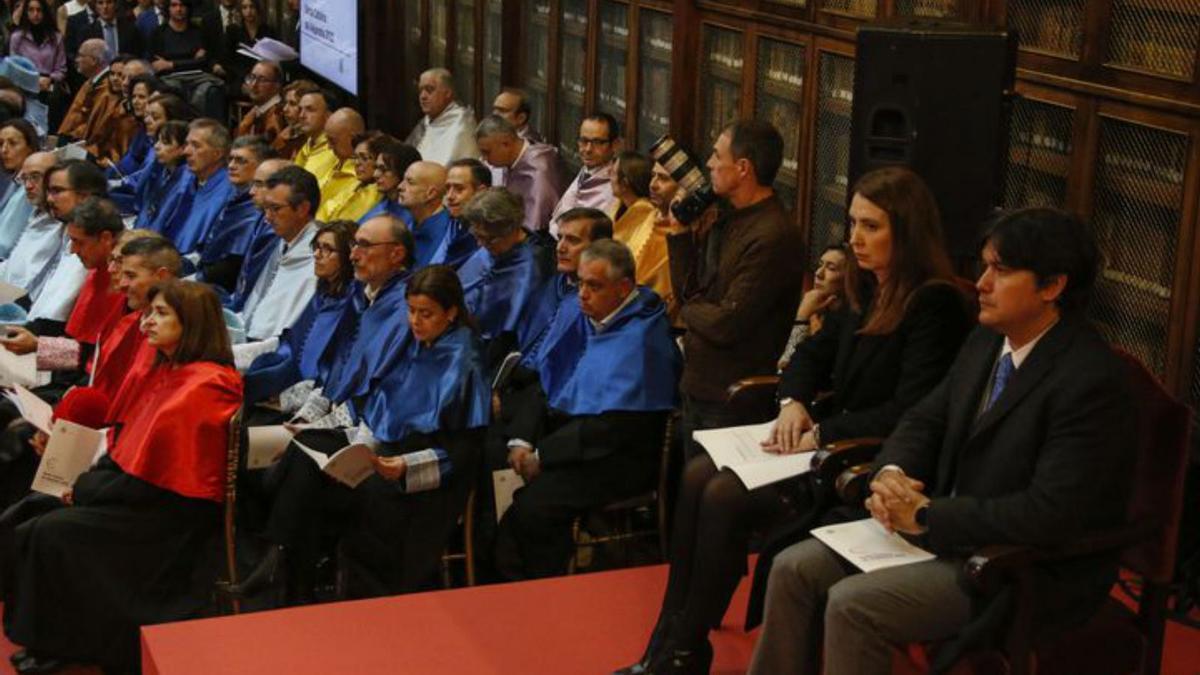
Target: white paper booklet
[870, 547]
[351, 465]
[20, 370]
[505, 482]
[35, 411]
[266, 445]
[740, 449]
[71, 450]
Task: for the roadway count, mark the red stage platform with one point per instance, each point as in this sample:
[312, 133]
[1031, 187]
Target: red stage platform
[590, 623]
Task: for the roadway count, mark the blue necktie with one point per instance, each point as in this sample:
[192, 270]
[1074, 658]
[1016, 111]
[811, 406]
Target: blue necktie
[1003, 372]
[110, 38]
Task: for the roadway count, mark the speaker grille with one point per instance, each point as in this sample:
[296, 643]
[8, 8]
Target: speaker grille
[1052, 26]
[1138, 199]
[934, 9]
[1039, 155]
[612, 57]
[780, 89]
[536, 18]
[493, 52]
[831, 162]
[654, 100]
[572, 82]
[464, 57]
[720, 83]
[1160, 36]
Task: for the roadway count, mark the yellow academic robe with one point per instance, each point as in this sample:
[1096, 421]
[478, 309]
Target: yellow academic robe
[350, 204]
[318, 158]
[636, 229]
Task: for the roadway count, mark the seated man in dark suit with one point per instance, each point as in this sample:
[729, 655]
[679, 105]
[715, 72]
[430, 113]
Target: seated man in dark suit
[590, 431]
[1026, 441]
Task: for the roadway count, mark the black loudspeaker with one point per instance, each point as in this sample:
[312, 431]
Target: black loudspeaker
[936, 97]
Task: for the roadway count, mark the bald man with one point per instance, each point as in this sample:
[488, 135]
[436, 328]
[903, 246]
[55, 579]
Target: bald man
[37, 252]
[529, 170]
[421, 192]
[342, 127]
[447, 131]
[91, 62]
[316, 155]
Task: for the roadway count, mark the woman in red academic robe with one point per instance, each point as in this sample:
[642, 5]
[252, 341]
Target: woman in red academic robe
[123, 553]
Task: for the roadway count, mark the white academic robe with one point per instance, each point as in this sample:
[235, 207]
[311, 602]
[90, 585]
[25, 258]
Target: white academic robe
[58, 295]
[283, 289]
[449, 137]
[36, 255]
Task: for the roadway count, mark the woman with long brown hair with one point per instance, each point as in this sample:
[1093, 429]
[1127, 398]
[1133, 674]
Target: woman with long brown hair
[882, 351]
[122, 552]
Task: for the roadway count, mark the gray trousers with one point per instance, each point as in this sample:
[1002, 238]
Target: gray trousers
[815, 597]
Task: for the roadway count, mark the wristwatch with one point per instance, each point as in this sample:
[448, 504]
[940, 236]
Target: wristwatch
[921, 517]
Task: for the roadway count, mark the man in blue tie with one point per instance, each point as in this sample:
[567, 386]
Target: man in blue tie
[1026, 441]
[119, 33]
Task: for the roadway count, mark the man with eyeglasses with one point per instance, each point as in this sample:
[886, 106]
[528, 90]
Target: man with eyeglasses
[261, 242]
[287, 282]
[342, 127]
[447, 131]
[503, 279]
[356, 202]
[262, 86]
[530, 170]
[36, 253]
[599, 140]
[228, 239]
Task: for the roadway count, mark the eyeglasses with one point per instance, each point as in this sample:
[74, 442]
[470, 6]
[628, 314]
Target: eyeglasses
[323, 249]
[28, 178]
[275, 208]
[362, 243]
[591, 142]
[251, 78]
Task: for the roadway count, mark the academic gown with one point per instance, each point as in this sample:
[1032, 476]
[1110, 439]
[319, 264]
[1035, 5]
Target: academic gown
[389, 207]
[61, 288]
[36, 254]
[428, 237]
[552, 301]
[456, 246]
[298, 357]
[140, 146]
[370, 339]
[259, 249]
[283, 288]
[499, 291]
[89, 575]
[201, 210]
[228, 241]
[448, 137]
[162, 193]
[127, 194]
[97, 308]
[14, 215]
[350, 204]
[430, 409]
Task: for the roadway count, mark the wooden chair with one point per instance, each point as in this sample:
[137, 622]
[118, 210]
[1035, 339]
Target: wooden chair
[1116, 639]
[233, 458]
[467, 554]
[622, 512]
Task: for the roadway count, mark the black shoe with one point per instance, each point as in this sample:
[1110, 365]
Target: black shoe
[696, 660]
[658, 638]
[18, 656]
[268, 574]
[40, 665]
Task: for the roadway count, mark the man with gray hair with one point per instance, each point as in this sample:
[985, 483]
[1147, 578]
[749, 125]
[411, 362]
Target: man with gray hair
[228, 240]
[504, 277]
[92, 64]
[593, 437]
[532, 171]
[208, 188]
[447, 131]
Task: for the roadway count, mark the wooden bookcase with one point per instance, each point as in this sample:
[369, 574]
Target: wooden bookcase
[1105, 123]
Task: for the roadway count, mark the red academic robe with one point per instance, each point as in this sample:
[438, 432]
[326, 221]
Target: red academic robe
[97, 309]
[118, 358]
[177, 434]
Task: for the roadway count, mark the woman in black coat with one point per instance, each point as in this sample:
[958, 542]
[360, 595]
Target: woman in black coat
[881, 352]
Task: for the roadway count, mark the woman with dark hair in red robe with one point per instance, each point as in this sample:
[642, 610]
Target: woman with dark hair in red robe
[122, 554]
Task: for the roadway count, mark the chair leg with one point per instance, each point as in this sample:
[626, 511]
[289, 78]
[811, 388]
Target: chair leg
[469, 539]
[1152, 615]
[574, 559]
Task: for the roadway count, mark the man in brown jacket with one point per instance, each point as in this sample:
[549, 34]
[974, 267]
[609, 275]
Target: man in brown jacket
[739, 281]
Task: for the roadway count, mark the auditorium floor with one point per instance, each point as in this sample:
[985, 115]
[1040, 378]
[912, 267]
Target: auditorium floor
[584, 624]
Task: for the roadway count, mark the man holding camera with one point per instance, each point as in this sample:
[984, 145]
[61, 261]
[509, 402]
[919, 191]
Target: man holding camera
[737, 297]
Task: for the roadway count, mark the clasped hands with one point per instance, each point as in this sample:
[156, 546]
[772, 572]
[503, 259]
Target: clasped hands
[792, 431]
[523, 460]
[895, 499]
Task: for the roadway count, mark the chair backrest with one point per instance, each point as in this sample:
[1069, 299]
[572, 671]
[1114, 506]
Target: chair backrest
[1163, 426]
[233, 455]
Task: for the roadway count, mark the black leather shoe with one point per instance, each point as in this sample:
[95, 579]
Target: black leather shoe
[658, 638]
[676, 661]
[268, 574]
[39, 665]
